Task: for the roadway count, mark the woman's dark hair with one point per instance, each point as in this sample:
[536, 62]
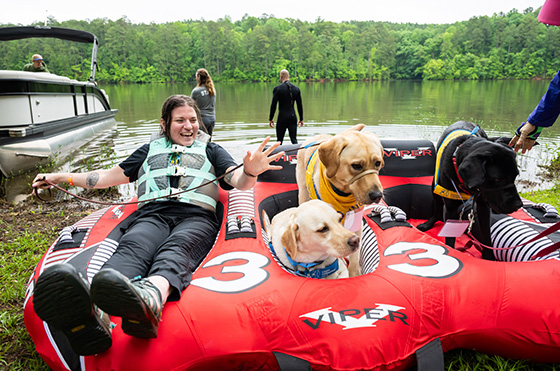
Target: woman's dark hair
[173, 102]
[206, 80]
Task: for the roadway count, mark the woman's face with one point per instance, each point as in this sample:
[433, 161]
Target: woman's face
[184, 125]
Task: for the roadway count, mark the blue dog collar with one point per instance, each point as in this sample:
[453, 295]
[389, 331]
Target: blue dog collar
[304, 265]
[313, 273]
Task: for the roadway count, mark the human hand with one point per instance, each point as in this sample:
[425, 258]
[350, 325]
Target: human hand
[41, 181]
[259, 161]
[525, 137]
[300, 123]
[271, 123]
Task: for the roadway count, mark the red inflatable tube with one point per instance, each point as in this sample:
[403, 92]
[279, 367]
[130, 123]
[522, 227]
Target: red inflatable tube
[244, 311]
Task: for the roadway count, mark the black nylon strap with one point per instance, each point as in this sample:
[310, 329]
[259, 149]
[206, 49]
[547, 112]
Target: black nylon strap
[430, 357]
[291, 363]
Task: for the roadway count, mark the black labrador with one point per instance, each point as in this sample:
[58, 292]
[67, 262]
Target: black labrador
[473, 165]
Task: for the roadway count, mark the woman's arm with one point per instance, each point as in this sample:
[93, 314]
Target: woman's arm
[102, 178]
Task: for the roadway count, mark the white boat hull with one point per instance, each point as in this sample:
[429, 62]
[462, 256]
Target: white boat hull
[25, 155]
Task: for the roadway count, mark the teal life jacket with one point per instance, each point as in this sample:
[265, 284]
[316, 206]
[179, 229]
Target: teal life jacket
[166, 160]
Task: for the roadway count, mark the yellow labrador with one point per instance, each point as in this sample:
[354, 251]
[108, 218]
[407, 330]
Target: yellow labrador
[310, 241]
[343, 170]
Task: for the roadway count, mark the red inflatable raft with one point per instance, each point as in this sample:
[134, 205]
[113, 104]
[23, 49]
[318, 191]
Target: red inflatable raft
[243, 311]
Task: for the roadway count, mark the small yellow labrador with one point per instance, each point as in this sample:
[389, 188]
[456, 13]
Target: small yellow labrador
[343, 170]
[310, 241]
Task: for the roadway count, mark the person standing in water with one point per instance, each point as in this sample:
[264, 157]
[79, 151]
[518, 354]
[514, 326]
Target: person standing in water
[284, 95]
[204, 94]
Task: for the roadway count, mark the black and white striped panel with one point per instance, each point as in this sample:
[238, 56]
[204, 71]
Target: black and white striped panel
[383, 212]
[549, 210]
[266, 239]
[60, 256]
[104, 251]
[388, 213]
[241, 203]
[369, 252]
[66, 234]
[241, 210]
[398, 214]
[265, 236]
[90, 220]
[508, 232]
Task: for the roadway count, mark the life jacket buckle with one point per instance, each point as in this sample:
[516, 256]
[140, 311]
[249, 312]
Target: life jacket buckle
[175, 192]
[177, 171]
[177, 148]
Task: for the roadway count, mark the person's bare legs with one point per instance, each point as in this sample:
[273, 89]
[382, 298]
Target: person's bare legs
[163, 286]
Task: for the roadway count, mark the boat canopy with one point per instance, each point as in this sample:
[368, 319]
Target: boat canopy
[16, 33]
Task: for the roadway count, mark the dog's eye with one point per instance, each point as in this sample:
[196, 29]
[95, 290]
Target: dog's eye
[325, 229]
[377, 163]
[357, 167]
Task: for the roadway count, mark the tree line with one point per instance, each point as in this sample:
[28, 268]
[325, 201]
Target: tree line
[506, 45]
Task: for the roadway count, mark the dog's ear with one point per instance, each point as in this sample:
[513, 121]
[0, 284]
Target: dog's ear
[290, 237]
[501, 140]
[329, 153]
[358, 127]
[473, 170]
[505, 141]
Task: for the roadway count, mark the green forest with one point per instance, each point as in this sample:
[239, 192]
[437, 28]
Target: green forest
[507, 45]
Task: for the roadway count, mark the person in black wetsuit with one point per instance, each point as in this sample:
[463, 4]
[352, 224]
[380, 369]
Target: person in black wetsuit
[285, 95]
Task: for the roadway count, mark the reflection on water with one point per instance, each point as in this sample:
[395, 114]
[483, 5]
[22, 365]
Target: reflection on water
[406, 110]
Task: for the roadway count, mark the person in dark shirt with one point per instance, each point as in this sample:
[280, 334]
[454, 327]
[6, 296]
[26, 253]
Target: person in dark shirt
[164, 240]
[284, 95]
[204, 94]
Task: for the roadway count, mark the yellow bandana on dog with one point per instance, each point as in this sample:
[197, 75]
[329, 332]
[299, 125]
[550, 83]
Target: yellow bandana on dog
[439, 190]
[341, 203]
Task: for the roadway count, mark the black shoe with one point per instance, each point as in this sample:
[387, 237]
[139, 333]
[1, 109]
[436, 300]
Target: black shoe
[132, 300]
[61, 298]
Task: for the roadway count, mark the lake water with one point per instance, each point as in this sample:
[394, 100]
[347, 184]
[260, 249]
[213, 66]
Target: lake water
[391, 109]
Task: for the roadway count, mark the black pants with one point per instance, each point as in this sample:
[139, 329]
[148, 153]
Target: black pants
[209, 123]
[171, 246]
[282, 125]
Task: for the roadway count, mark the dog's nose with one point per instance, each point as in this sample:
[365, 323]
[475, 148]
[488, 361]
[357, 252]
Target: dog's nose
[375, 196]
[353, 242]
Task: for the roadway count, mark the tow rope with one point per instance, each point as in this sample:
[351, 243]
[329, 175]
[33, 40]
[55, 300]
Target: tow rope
[171, 195]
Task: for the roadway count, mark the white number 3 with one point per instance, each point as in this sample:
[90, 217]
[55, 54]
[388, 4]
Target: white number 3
[442, 267]
[251, 270]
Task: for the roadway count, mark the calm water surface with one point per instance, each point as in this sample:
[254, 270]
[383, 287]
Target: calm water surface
[392, 109]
